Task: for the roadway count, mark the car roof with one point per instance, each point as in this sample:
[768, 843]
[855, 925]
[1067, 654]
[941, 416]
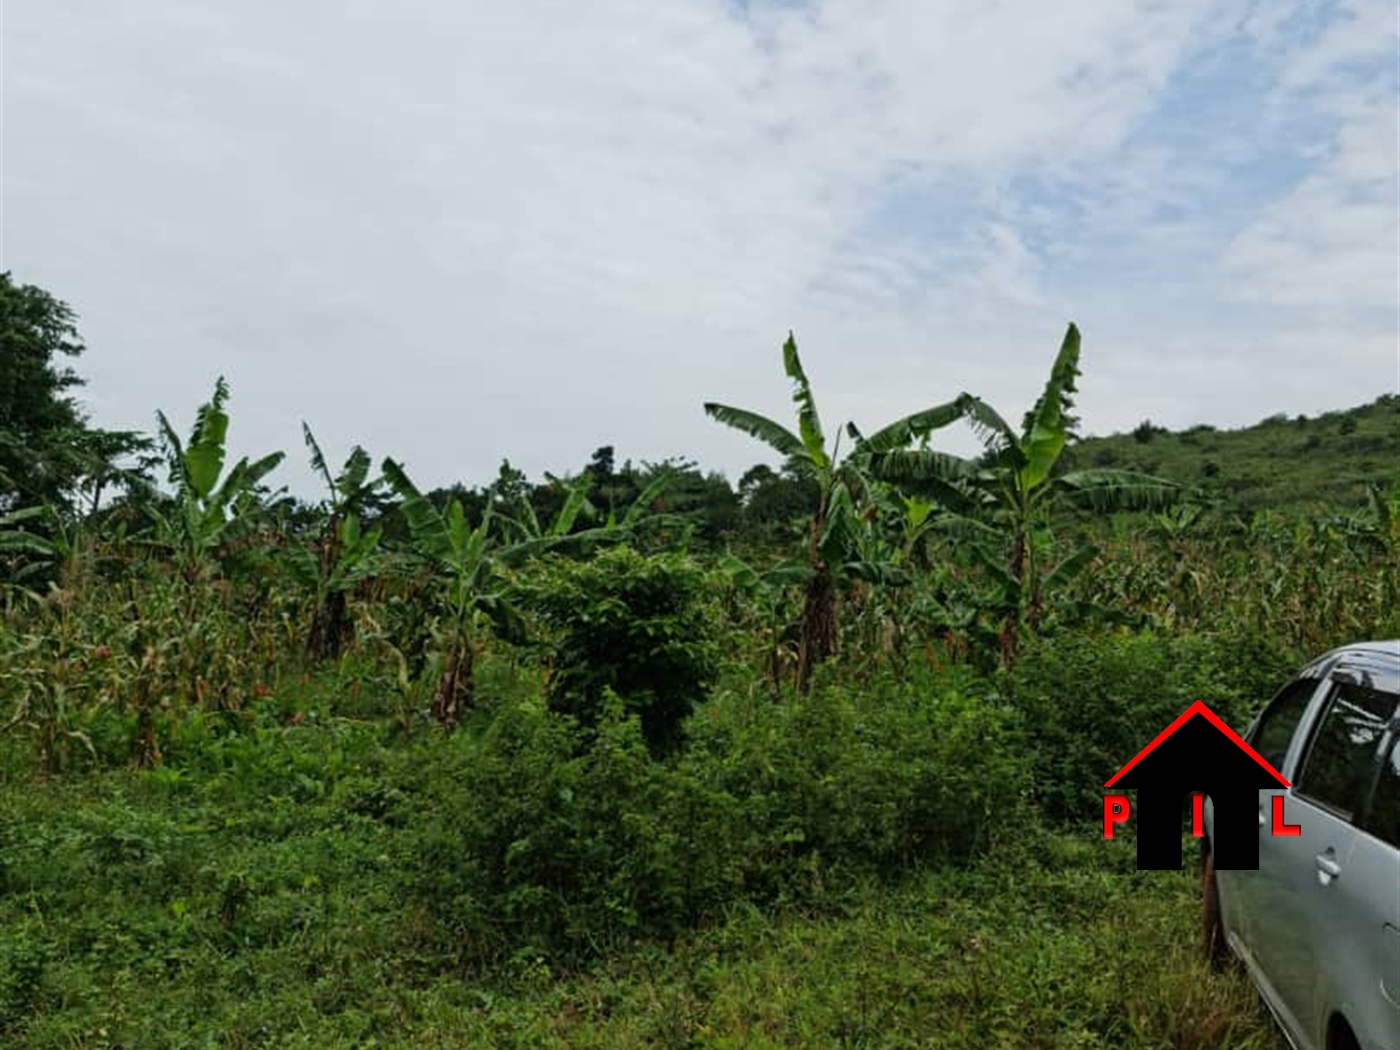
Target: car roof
[1378, 664]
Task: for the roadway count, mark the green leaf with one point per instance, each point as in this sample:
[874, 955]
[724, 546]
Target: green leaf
[1046, 435]
[425, 523]
[808, 422]
[457, 525]
[1070, 567]
[921, 464]
[174, 450]
[563, 522]
[350, 483]
[647, 498]
[1009, 586]
[1108, 491]
[993, 431]
[911, 428]
[961, 526]
[740, 573]
[506, 621]
[770, 433]
[938, 476]
[204, 456]
[788, 574]
[304, 565]
[1380, 507]
[917, 511]
[883, 573]
[318, 461]
[25, 514]
[839, 534]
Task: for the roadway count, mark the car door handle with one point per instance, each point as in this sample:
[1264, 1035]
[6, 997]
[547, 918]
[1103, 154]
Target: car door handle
[1327, 868]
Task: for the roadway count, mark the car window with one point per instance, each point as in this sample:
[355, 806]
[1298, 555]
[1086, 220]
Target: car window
[1340, 759]
[1383, 820]
[1274, 731]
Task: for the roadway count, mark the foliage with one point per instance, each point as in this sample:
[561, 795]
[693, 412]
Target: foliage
[211, 508]
[48, 453]
[467, 589]
[1009, 501]
[639, 836]
[1315, 465]
[1090, 707]
[633, 628]
[843, 491]
[569, 842]
[257, 896]
[344, 554]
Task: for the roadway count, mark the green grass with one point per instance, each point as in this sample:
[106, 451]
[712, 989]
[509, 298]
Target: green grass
[1322, 463]
[255, 899]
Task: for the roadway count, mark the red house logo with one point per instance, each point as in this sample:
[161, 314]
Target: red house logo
[1198, 753]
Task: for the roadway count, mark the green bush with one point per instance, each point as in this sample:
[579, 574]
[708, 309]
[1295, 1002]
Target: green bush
[1091, 703]
[545, 838]
[900, 771]
[637, 626]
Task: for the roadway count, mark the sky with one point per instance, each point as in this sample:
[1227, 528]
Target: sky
[454, 231]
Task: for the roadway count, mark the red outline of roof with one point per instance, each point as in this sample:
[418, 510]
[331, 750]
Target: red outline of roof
[1199, 708]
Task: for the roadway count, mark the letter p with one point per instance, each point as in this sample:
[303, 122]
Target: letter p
[1115, 811]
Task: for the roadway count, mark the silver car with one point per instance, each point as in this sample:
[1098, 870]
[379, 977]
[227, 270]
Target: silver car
[1318, 925]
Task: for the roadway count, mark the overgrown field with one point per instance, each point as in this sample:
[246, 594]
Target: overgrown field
[861, 867]
[629, 758]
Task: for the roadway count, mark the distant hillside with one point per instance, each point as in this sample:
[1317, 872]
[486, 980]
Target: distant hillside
[1301, 462]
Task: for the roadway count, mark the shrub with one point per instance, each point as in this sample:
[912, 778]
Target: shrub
[640, 627]
[902, 771]
[1090, 704]
[548, 839]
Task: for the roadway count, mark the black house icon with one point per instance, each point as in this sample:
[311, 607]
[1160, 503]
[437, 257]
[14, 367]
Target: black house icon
[1198, 752]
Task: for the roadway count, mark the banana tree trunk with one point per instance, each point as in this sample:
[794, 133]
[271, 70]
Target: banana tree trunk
[818, 625]
[330, 621]
[330, 628]
[818, 637]
[456, 686]
[1011, 617]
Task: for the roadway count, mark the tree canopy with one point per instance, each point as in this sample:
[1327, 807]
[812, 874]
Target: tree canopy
[48, 453]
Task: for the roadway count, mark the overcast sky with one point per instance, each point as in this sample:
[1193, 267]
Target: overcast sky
[455, 231]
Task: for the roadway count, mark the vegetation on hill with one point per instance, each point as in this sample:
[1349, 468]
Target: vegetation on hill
[625, 758]
[1316, 464]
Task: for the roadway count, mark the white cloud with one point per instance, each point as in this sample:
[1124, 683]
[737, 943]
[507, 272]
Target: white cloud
[453, 232]
[1332, 244]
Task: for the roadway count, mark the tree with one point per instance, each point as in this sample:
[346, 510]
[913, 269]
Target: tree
[842, 492]
[1009, 497]
[638, 628]
[773, 500]
[211, 507]
[468, 588]
[344, 552]
[47, 450]
[470, 585]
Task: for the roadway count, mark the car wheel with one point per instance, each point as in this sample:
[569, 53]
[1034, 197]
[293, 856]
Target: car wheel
[1214, 945]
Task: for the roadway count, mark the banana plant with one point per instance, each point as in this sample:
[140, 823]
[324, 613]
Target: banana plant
[768, 590]
[211, 507]
[844, 492]
[470, 590]
[344, 554]
[1010, 498]
[27, 553]
[561, 533]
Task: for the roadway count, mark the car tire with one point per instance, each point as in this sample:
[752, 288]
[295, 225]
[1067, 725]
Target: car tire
[1213, 942]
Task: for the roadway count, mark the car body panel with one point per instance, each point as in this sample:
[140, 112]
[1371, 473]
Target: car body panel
[1318, 925]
